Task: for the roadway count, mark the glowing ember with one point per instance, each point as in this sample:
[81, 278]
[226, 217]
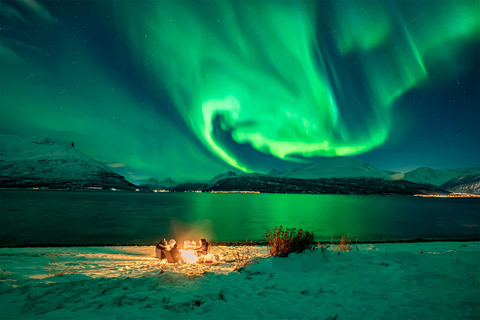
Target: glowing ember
[189, 256]
[209, 258]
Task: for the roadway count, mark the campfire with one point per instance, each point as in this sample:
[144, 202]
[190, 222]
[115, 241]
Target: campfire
[188, 252]
[189, 256]
[191, 252]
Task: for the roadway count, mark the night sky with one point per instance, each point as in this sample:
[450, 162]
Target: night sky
[190, 89]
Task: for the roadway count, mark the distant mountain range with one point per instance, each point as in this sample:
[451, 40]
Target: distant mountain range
[27, 162]
[31, 162]
[338, 167]
[154, 184]
[343, 175]
[438, 177]
[358, 185]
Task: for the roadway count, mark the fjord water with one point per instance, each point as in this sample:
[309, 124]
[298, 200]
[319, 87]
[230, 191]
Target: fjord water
[97, 218]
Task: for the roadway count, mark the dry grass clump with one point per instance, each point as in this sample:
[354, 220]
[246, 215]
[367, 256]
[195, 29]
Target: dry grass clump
[195, 273]
[4, 274]
[283, 241]
[55, 269]
[243, 258]
[344, 245]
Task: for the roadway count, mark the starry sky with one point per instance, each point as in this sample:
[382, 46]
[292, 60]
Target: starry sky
[190, 89]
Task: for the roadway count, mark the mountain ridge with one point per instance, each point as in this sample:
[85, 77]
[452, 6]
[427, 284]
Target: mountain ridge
[437, 177]
[31, 162]
[336, 167]
[469, 183]
[44, 162]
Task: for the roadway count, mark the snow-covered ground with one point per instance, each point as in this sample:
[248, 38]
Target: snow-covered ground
[436, 280]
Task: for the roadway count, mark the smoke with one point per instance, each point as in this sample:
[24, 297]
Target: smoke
[191, 231]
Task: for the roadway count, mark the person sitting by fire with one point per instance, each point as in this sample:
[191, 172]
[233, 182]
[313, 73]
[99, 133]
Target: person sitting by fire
[161, 246]
[203, 248]
[172, 248]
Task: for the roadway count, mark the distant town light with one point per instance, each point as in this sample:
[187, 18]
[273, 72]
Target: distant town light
[234, 191]
[452, 195]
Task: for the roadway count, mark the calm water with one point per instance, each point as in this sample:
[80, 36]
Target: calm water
[83, 218]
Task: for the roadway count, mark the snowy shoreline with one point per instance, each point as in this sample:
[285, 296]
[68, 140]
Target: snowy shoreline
[434, 280]
[243, 243]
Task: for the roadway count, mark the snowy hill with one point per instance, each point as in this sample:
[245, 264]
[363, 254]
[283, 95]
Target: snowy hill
[339, 167]
[464, 184]
[437, 177]
[31, 162]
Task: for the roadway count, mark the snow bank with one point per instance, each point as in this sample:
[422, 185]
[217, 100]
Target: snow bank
[386, 281]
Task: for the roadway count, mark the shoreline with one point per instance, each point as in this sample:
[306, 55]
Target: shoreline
[445, 194]
[243, 243]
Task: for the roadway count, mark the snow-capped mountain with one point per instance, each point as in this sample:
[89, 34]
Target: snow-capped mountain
[338, 167]
[192, 186]
[327, 176]
[168, 182]
[153, 184]
[437, 177]
[360, 185]
[32, 162]
[150, 184]
[202, 185]
[469, 183]
[228, 174]
[275, 172]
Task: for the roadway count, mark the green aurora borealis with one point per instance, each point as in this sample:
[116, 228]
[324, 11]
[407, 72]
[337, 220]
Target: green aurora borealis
[157, 88]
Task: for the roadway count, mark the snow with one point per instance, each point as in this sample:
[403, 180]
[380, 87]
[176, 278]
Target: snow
[464, 184]
[153, 183]
[45, 158]
[228, 174]
[338, 167]
[437, 177]
[31, 161]
[14, 147]
[168, 182]
[436, 280]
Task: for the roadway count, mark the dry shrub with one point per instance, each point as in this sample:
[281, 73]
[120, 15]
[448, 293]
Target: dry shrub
[344, 245]
[283, 241]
